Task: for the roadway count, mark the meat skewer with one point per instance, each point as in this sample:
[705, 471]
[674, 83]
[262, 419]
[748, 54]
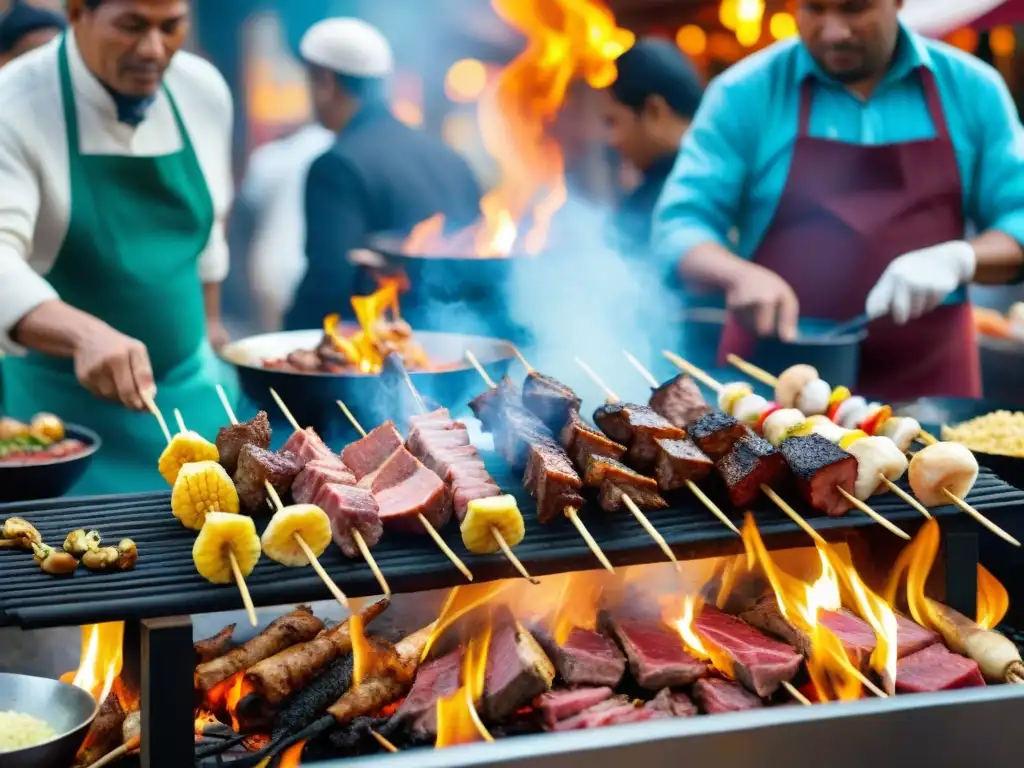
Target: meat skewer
[531, 476]
[919, 464]
[716, 386]
[356, 535]
[427, 525]
[311, 555]
[250, 609]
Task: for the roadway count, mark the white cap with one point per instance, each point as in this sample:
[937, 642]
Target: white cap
[349, 47]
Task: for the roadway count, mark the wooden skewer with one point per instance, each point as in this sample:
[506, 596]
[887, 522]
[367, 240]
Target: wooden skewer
[383, 741]
[867, 683]
[651, 531]
[795, 516]
[356, 535]
[641, 369]
[570, 512]
[116, 754]
[980, 518]
[609, 393]
[314, 562]
[151, 407]
[792, 691]
[179, 420]
[515, 351]
[889, 526]
[430, 529]
[905, 496]
[420, 403]
[516, 562]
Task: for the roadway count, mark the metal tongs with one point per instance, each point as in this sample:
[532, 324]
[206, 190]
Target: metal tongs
[849, 326]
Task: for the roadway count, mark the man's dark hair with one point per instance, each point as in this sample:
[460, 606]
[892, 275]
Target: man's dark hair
[656, 67]
[22, 19]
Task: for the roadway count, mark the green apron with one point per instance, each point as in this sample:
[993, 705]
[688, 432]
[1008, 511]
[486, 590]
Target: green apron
[137, 228]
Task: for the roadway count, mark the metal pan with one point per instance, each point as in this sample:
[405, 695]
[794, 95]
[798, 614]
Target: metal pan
[44, 480]
[68, 710]
[312, 396]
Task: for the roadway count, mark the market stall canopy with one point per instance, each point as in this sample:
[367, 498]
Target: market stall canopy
[940, 17]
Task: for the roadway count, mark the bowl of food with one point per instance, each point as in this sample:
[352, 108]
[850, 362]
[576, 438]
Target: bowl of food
[43, 722]
[42, 458]
[835, 355]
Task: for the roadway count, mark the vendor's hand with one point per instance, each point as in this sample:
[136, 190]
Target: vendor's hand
[917, 282]
[217, 334]
[115, 367]
[763, 301]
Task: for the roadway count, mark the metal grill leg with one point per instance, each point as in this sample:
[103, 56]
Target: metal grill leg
[168, 666]
[961, 540]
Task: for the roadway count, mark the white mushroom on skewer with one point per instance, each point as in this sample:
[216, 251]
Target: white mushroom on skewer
[939, 468]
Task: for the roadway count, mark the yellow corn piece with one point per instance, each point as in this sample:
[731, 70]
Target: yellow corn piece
[185, 448]
[308, 521]
[851, 437]
[500, 513]
[222, 533]
[839, 394]
[202, 487]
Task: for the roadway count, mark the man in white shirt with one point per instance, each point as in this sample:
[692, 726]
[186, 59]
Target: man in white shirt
[115, 171]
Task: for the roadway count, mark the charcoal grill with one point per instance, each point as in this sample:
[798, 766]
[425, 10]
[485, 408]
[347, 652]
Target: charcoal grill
[157, 599]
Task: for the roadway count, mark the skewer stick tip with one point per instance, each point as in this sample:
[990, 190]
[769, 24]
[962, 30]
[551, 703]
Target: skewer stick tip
[980, 518]
[516, 562]
[226, 404]
[152, 408]
[443, 546]
[571, 513]
[351, 417]
[519, 355]
[475, 362]
[793, 691]
[592, 374]
[250, 609]
[370, 561]
[285, 410]
[651, 531]
[641, 369]
[325, 577]
[887, 524]
[712, 507]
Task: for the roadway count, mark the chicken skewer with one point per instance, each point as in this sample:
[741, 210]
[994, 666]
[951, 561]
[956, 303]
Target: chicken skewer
[236, 570]
[717, 387]
[317, 522]
[920, 469]
[570, 512]
[356, 535]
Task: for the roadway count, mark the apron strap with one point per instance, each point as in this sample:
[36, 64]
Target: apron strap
[934, 102]
[806, 99]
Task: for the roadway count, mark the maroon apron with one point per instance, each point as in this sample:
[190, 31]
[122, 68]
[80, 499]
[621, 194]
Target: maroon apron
[846, 213]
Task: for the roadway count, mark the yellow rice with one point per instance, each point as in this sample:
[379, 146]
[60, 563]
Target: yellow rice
[20, 731]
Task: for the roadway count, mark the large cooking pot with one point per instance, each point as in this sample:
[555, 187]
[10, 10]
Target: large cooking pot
[66, 709]
[1002, 370]
[312, 397]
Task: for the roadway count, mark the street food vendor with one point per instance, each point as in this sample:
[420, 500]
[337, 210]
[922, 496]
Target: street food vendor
[25, 27]
[380, 175]
[115, 171]
[852, 159]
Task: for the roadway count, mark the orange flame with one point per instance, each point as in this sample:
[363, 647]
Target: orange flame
[457, 719]
[993, 599]
[461, 601]
[101, 659]
[362, 652]
[577, 605]
[366, 347]
[698, 646]
[292, 757]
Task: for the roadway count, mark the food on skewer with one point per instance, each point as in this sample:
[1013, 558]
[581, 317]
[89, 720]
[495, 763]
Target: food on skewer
[186, 447]
[616, 482]
[369, 453]
[202, 487]
[485, 515]
[307, 521]
[751, 462]
[638, 427]
[877, 458]
[123, 557]
[680, 462]
[489, 404]
[258, 466]
[18, 533]
[821, 468]
[715, 433]
[351, 510]
[53, 561]
[317, 474]
[78, 542]
[802, 388]
[941, 469]
[581, 441]
[679, 400]
[224, 535]
[231, 438]
[549, 399]
[308, 445]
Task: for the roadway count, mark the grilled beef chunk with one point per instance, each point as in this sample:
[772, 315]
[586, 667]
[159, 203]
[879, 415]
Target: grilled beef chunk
[581, 441]
[307, 444]
[551, 480]
[488, 406]
[435, 680]
[318, 473]
[517, 430]
[564, 703]
[680, 401]
[821, 468]
[230, 439]
[517, 669]
[585, 658]
[715, 695]
[679, 461]
[672, 704]
[405, 489]
[211, 648]
[751, 462]
[549, 399]
[350, 509]
[607, 712]
[617, 480]
[638, 427]
[716, 433]
[655, 652]
[911, 637]
[936, 668]
[257, 465]
[368, 454]
[759, 662]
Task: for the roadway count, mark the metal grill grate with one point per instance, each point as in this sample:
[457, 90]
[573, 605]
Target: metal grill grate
[165, 582]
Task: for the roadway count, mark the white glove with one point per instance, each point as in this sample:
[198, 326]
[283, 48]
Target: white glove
[917, 282]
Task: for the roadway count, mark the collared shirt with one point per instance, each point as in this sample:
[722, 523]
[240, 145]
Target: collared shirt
[735, 159]
[34, 177]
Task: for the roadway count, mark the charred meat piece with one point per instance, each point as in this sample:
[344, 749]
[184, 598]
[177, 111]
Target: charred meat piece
[671, 704]
[549, 399]
[488, 406]
[351, 509]
[716, 433]
[616, 480]
[821, 468]
[759, 662]
[214, 647]
[517, 669]
[715, 695]
[435, 680]
[562, 704]
[367, 454]
[936, 668]
[655, 651]
[585, 658]
[230, 439]
[313, 700]
[638, 427]
[551, 479]
[308, 444]
[256, 466]
[318, 473]
[405, 489]
[680, 401]
[750, 463]
[581, 441]
[679, 461]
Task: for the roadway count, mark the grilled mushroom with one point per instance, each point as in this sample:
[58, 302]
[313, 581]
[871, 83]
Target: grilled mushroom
[120, 558]
[53, 561]
[18, 533]
[79, 542]
[128, 554]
